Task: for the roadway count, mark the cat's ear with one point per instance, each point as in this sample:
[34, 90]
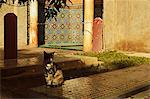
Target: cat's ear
[45, 53]
[53, 53]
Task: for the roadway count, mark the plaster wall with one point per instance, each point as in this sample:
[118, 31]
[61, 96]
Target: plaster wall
[21, 13]
[75, 1]
[127, 25]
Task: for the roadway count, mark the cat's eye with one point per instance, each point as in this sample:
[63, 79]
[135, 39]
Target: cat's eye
[48, 64]
[51, 59]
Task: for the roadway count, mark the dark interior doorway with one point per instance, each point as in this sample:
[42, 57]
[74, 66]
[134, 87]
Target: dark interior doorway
[10, 36]
[98, 8]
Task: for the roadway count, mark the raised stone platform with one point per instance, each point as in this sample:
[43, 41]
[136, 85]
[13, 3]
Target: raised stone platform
[108, 85]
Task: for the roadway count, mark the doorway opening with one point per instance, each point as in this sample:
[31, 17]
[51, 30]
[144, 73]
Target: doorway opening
[98, 8]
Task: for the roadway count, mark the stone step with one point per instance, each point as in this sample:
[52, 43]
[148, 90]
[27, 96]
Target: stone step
[71, 66]
[85, 59]
[25, 62]
[31, 66]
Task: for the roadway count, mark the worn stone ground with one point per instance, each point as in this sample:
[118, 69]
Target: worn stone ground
[99, 86]
[28, 52]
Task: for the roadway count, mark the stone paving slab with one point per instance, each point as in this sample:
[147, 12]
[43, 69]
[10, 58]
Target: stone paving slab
[34, 57]
[101, 86]
[35, 52]
[87, 60]
[10, 63]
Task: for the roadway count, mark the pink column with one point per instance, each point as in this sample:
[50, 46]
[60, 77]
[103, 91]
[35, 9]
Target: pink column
[97, 34]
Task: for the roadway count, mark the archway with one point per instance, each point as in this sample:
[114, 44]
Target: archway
[10, 36]
[98, 8]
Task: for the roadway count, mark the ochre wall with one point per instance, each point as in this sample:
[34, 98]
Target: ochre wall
[21, 13]
[76, 1]
[127, 25]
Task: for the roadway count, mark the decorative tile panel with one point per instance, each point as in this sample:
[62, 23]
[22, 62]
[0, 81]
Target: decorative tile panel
[67, 29]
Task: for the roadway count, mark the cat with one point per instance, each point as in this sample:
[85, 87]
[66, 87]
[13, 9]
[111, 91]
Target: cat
[53, 73]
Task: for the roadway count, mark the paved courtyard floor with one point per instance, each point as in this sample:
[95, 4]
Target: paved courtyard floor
[109, 85]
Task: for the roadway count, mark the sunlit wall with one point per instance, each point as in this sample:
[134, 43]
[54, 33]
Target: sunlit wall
[21, 23]
[127, 25]
[33, 30]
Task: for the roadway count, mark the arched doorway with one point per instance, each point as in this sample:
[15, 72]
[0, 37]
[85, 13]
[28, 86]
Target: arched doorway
[10, 36]
[98, 8]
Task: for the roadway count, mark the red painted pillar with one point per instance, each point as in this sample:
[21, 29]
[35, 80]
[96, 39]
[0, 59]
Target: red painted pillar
[97, 34]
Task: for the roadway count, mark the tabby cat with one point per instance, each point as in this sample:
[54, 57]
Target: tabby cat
[53, 73]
